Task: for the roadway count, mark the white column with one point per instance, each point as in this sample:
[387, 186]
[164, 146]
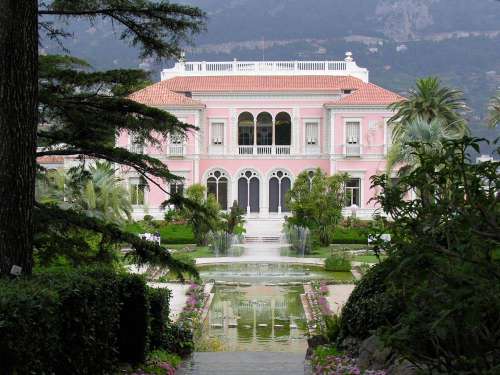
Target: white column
[248, 196]
[232, 132]
[274, 137]
[254, 135]
[279, 197]
[295, 131]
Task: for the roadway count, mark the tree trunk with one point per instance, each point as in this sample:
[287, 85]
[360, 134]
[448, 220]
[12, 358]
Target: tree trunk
[18, 124]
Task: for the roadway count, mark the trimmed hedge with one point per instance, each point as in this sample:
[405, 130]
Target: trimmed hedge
[133, 336]
[350, 236]
[72, 321]
[159, 310]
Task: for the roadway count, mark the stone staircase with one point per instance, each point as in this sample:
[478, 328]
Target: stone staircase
[260, 239]
[263, 230]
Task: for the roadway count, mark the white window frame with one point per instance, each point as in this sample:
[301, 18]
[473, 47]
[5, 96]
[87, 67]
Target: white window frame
[360, 174]
[213, 147]
[312, 148]
[136, 185]
[133, 144]
[359, 120]
[360, 188]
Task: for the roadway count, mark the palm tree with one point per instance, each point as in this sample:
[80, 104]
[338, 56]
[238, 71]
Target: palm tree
[98, 192]
[494, 110]
[430, 101]
[422, 136]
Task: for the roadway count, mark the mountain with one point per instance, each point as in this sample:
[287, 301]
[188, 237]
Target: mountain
[397, 40]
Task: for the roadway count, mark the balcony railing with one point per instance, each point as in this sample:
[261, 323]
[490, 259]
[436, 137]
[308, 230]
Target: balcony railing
[176, 150]
[136, 148]
[353, 150]
[263, 150]
[217, 68]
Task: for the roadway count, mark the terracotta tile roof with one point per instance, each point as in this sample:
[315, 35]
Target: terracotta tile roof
[50, 160]
[171, 91]
[368, 94]
[260, 83]
[158, 94]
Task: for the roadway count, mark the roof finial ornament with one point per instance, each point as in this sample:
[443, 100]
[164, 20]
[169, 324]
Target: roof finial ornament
[348, 56]
[182, 57]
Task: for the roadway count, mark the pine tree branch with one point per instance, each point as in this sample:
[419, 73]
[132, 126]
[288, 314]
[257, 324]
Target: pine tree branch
[145, 252]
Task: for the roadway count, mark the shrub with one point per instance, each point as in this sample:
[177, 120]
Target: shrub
[338, 262]
[133, 335]
[179, 339]
[370, 305]
[355, 235]
[159, 310]
[60, 321]
[78, 321]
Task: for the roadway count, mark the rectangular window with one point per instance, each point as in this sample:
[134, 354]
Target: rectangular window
[311, 133]
[137, 187]
[176, 188]
[217, 133]
[352, 138]
[136, 145]
[353, 192]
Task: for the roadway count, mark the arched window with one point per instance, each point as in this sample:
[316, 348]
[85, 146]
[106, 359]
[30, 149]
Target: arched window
[245, 129]
[264, 129]
[283, 129]
[217, 183]
[279, 185]
[249, 191]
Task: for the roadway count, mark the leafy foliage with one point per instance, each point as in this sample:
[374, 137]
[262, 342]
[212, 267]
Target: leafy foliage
[133, 337]
[494, 111]
[60, 321]
[339, 262]
[429, 101]
[424, 135]
[316, 202]
[54, 224]
[371, 304]
[159, 309]
[202, 220]
[97, 192]
[158, 27]
[441, 266]
[81, 112]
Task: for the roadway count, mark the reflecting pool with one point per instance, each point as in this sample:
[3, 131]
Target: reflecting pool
[269, 273]
[258, 318]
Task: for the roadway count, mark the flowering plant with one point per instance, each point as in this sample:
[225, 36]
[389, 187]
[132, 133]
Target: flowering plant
[328, 361]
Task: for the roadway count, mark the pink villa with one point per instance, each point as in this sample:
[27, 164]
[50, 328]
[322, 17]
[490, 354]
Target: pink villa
[261, 123]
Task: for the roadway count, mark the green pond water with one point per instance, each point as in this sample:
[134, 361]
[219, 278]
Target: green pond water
[269, 273]
[258, 318]
[262, 312]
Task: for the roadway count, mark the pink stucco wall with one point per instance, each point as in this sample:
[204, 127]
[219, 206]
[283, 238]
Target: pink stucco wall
[195, 166]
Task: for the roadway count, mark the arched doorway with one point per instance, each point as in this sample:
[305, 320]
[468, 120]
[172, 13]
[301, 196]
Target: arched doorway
[217, 185]
[264, 129]
[249, 191]
[279, 184]
[283, 129]
[245, 129]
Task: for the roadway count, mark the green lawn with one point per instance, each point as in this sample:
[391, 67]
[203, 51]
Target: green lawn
[323, 252]
[169, 233]
[367, 258]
